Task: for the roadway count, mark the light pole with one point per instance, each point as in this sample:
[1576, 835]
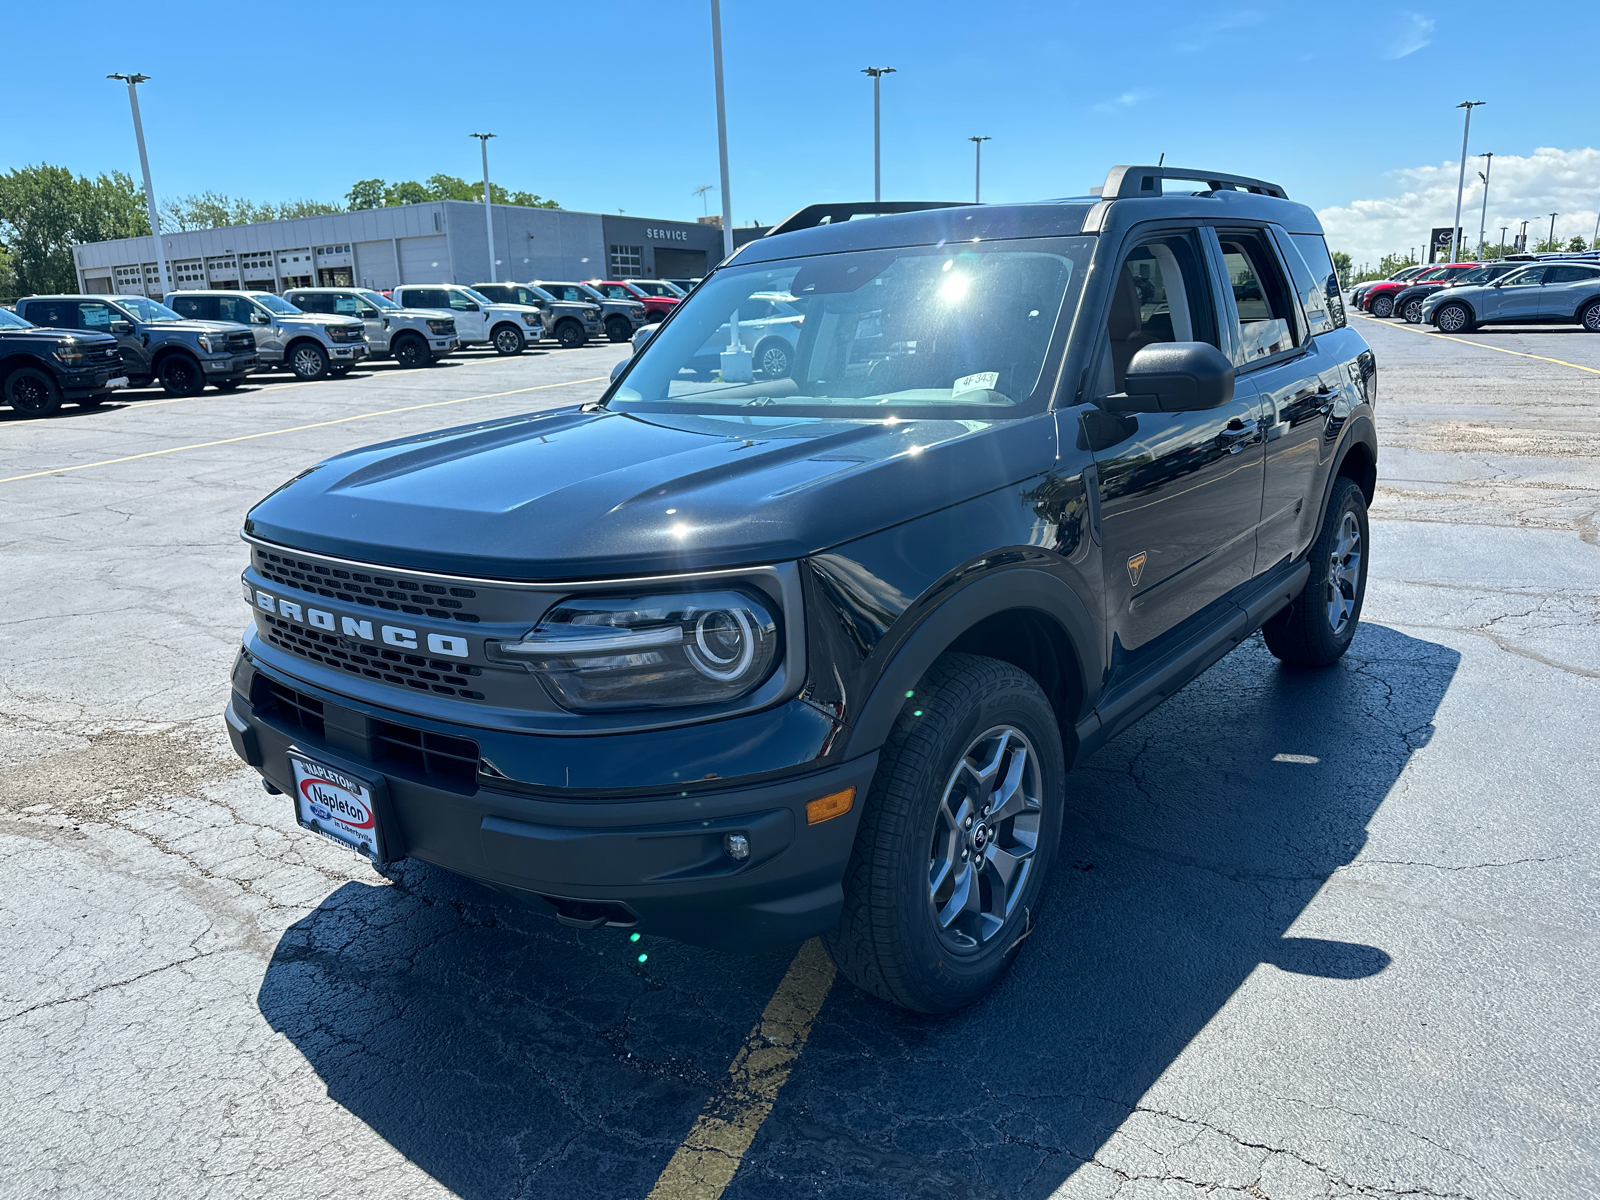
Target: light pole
[722, 142]
[133, 81]
[877, 74]
[1488, 165]
[488, 211]
[1461, 180]
[1503, 229]
[1552, 242]
[977, 168]
[1523, 238]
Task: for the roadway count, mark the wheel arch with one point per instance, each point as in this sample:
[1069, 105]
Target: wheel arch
[299, 340]
[1472, 314]
[505, 324]
[1577, 313]
[1357, 460]
[15, 362]
[163, 353]
[1024, 616]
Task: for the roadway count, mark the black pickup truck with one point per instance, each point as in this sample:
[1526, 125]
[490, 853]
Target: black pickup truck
[741, 657]
[42, 368]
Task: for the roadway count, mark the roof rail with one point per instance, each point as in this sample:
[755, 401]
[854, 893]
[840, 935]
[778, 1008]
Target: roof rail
[1129, 183]
[816, 214]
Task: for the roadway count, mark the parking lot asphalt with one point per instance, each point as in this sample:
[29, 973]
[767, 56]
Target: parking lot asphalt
[1314, 934]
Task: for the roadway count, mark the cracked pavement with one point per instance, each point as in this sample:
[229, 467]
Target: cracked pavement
[1314, 934]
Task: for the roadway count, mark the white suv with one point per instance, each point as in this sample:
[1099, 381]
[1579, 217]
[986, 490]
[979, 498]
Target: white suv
[508, 327]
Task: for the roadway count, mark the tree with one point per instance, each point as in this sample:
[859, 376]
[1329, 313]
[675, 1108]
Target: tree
[1577, 245]
[45, 211]
[377, 193]
[1341, 267]
[211, 210]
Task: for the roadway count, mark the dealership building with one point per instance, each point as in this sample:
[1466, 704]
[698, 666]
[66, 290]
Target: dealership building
[443, 241]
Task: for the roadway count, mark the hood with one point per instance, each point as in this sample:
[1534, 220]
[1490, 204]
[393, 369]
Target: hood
[193, 326]
[573, 494]
[321, 318]
[65, 336]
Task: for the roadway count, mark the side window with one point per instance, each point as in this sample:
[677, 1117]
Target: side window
[1161, 294]
[1260, 294]
[312, 302]
[53, 314]
[94, 315]
[1314, 252]
[461, 302]
[1570, 274]
[196, 308]
[347, 304]
[1532, 277]
[617, 292]
[234, 308]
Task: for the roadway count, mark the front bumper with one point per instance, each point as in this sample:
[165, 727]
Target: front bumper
[79, 382]
[347, 351]
[657, 864]
[235, 364]
[443, 345]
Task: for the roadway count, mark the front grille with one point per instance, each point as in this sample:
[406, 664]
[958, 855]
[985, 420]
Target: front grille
[438, 758]
[414, 671]
[293, 708]
[346, 333]
[374, 591]
[106, 356]
[243, 342]
[433, 754]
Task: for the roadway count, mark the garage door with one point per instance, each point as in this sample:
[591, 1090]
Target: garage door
[375, 265]
[680, 264]
[424, 260]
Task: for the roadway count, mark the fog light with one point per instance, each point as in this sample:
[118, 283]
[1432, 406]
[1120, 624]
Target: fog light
[736, 845]
[828, 807]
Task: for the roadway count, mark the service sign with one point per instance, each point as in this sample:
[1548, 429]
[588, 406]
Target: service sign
[329, 802]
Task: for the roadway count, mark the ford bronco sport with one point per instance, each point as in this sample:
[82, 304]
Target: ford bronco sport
[742, 658]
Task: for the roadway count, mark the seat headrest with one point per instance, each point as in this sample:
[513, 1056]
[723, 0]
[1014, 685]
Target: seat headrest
[1123, 321]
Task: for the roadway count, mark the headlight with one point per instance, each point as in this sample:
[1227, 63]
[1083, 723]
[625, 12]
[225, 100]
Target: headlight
[609, 652]
[530, 318]
[70, 355]
[213, 343]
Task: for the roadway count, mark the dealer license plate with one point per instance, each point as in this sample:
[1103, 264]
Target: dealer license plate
[121, 381]
[332, 803]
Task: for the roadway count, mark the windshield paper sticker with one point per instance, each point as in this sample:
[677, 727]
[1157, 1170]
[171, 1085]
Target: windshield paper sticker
[983, 381]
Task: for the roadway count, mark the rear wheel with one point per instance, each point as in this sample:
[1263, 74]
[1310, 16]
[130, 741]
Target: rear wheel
[957, 835]
[774, 358]
[1589, 318]
[1412, 312]
[570, 335]
[619, 329]
[1383, 306]
[1453, 318]
[180, 375]
[410, 351]
[1316, 629]
[32, 392]
[508, 340]
[308, 362]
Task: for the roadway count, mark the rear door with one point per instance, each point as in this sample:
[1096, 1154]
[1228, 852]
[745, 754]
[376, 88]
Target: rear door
[1180, 493]
[1566, 286]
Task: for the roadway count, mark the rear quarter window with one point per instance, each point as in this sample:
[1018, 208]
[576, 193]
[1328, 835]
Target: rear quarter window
[1314, 253]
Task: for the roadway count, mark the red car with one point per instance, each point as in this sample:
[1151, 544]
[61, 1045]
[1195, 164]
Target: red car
[1379, 298]
[655, 306]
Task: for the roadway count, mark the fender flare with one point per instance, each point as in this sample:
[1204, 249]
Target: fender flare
[1359, 429]
[165, 352]
[1014, 588]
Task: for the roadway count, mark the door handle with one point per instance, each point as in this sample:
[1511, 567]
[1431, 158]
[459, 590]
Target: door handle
[1237, 439]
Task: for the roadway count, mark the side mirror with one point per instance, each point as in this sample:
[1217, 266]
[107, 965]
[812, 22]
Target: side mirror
[622, 365]
[643, 335]
[368, 313]
[122, 328]
[1174, 377]
[260, 318]
[473, 307]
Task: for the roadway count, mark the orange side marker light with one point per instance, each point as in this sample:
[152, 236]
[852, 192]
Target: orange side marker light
[828, 807]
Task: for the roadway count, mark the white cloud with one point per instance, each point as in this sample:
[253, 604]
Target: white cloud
[1126, 100]
[1206, 32]
[1412, 32]
[1565, 182]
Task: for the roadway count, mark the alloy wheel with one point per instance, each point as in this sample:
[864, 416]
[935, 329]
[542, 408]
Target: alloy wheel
[1344, 573]
[31, 395]
[774, 362]
[308, 363]
[984, 837]
[1452, 318]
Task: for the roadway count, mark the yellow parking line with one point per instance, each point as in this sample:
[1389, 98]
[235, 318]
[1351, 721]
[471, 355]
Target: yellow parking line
[1560, 362]
[711, 1153]
[387, 412]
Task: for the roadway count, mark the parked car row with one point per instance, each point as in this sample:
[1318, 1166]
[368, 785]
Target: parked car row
[1459, 297]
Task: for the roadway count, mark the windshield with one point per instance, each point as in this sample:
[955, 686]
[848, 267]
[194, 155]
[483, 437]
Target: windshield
[147, 310]
[479, 297]
[274, 303]
[960, 333]
[377, 300]
[656, 288]
[10, 320]
[590, 293]
[1479, 275]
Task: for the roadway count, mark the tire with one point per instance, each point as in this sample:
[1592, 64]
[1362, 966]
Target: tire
[410, 351]
[903, 937]
[180, 375]
[1316, 629]
[1453, 318]
[570, 334]
[1412, 312]
[508, 340]
[774, 358]
[619, 329]
[1589, 318]
[308, 362]
[32, 392]
[1383, 306]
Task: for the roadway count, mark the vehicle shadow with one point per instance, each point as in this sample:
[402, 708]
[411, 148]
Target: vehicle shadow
[507, 1056]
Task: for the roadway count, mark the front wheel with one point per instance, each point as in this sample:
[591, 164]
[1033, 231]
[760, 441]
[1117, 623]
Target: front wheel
[774, 359]
[32, 392]
[570, 335]
[957, 835]
[509, 341]
[308, 362]
[1316, 629]
[619, 329]
[181, 376]
[1453, 318]
[1383, 306]
[1412, 312]
[1589, 318]
[410, 351]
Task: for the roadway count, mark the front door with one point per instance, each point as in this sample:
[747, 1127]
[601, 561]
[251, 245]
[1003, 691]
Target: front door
[1516, 298]
[1180, 493]
[349, 304]
[472, 322]
[131, 342]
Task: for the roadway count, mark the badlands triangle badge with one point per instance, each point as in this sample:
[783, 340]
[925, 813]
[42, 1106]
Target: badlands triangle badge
[1136, 568]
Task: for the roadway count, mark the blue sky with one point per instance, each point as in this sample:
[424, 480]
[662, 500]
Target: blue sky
[608, 107]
